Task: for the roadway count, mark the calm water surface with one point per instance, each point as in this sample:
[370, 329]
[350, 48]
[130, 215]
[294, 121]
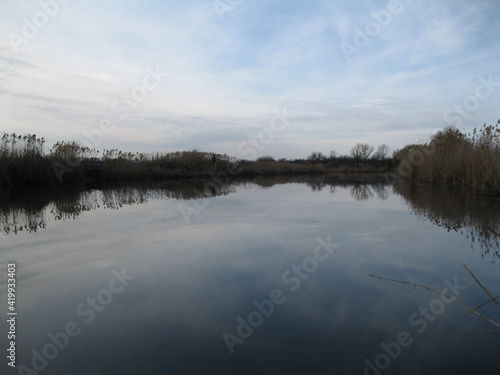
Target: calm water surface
[255, 278]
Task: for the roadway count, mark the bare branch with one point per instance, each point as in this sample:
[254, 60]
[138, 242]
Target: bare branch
[442, 294]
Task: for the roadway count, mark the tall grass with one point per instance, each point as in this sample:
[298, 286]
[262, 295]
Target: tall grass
[24, 160]
[456, 159]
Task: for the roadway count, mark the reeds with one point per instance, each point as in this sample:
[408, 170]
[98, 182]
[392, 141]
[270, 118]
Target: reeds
[456, 159]
[23, 160]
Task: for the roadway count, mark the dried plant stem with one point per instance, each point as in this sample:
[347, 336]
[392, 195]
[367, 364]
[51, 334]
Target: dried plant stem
[482, 286]
[442, 294]
[488, 301]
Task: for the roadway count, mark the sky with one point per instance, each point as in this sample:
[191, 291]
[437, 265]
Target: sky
[247, 78]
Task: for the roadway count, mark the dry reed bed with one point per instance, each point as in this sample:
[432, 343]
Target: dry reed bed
[456, 159]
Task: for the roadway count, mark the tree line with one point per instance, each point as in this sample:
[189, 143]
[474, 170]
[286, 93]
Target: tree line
[450, 157]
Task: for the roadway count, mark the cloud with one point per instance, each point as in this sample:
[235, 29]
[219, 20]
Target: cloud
[226, 77]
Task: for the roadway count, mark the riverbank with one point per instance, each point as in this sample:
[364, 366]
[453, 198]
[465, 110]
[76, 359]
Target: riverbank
[23, 161]
[455, 159]
[450, 158]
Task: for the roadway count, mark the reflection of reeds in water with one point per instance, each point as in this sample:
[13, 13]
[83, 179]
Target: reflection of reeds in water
[18, 214]
[477, 218]
[21, 220]
[25, 210]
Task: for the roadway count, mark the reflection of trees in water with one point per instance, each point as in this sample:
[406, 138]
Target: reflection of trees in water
[316, 186]
[382, 190]
[27, 209]
[361, 192]
[478, 219]
[379, 183]
[360, 186]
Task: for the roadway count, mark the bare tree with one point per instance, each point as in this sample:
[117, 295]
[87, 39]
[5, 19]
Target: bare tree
[333, 154]
[361, 151]
[381, 153]
[317, 157]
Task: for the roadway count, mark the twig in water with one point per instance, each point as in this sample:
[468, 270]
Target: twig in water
[442, 294]
[488, 301]
[482, 286]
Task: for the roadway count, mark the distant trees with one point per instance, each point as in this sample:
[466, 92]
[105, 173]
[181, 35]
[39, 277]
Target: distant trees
[317, 157]
[381, 153]
[265, 158]
[361, 151]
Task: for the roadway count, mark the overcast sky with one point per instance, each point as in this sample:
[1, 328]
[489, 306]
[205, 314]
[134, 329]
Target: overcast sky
[338, 72]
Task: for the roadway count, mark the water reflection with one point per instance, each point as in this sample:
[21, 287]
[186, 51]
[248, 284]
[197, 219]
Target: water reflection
[28, 209]
[476, 218]
[192, 282]
[361, 187]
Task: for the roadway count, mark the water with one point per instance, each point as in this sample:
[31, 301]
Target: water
[262, 277]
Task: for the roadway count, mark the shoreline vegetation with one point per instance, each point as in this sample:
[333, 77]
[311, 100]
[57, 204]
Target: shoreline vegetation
[449, 158]
[23, 160]
[455, 159]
